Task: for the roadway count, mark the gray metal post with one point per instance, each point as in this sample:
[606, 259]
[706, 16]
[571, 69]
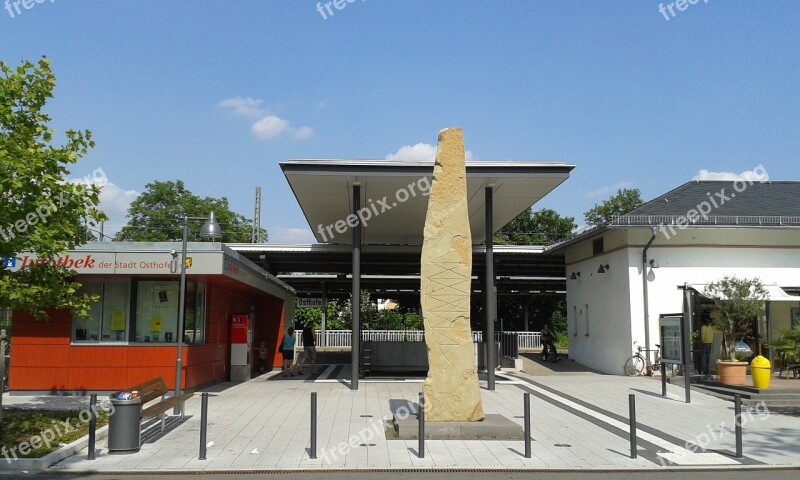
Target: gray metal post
[313, 453]
[3, 341]
[737, 410]
[686, 327]
[203, 425]
[356, 294]
[92, 424]
[421, 426]
[321, 339]
[491, 299]
[632, 420]
[527, 425]
[181, 311]
[663, 379]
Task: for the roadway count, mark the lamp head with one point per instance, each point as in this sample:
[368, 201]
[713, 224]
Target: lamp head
[602, 268]
[653, 263]
[574, 275]
[211, 228]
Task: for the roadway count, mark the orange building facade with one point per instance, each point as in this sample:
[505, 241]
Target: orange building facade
[131, 336]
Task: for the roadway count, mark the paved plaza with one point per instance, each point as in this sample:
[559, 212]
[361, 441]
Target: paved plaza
[579, 421]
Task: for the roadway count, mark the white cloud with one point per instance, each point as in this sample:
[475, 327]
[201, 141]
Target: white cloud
[269, 127]
[290, 236]
[421, 152]
[244, 107]
[608, 191]
[757, 174]
[303, 133]
[266, 125]
[114, 202]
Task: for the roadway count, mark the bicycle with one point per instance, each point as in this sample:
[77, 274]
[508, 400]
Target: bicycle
[639, 364]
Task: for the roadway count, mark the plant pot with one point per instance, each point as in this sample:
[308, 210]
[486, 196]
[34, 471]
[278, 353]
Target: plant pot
[731, 373]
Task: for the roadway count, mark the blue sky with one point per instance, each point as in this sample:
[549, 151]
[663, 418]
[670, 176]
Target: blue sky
[217, 93]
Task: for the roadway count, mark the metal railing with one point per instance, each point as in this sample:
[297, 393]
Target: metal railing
[652, 220]
[342, 338]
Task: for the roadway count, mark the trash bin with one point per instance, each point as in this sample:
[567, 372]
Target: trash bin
[124, 425]
[761, 370]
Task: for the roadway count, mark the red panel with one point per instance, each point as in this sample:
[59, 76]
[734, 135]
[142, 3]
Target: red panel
[98, 356]
[154, 356]
[40, 356]
[97, 378]
[239, 329]
[141, 375]
[35, 378]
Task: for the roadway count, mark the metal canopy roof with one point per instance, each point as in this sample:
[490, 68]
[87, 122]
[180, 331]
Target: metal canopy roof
[394, 194]
[518, 268]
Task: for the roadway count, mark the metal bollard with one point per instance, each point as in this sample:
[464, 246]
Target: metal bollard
[632, 419]
[203, 424]
[421, 431]
[737, 409]
[313, 453]
[92, 424]
[663, 379]
[527, 425]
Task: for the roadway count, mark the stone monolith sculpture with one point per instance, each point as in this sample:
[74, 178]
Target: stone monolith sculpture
[452, 393]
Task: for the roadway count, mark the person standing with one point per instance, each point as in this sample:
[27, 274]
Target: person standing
[287, 350]
[706, 341]
[262, 356]
[309, 348]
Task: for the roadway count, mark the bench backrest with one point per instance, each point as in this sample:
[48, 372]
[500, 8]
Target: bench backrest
[151, 389]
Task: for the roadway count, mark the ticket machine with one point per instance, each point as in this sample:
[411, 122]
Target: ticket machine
[241, 347]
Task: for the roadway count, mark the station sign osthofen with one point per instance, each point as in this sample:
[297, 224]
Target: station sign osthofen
[309, 303]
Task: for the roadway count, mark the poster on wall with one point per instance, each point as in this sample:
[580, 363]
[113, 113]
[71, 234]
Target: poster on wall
[671, 345]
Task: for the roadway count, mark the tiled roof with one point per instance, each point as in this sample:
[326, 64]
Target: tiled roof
[722, 203]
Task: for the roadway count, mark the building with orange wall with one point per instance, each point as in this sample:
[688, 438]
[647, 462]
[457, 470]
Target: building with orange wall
[131, 336]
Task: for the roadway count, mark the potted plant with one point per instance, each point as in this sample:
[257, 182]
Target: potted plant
[737, 301]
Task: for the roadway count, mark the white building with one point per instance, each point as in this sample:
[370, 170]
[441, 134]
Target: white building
[692, 235]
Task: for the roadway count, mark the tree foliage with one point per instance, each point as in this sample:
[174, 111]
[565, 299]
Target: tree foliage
[41, 212]
[737, 303]
[155, 216]
[543, 227]
[623, 202]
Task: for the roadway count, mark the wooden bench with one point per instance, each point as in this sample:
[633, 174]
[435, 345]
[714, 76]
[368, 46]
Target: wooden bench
[154, 389]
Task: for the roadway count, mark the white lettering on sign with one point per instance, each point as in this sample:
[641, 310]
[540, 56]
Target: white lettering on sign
[309, 303]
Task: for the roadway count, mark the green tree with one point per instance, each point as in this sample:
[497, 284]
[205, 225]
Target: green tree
[543, 227]
[41, 212]
[738, 302]
[154, 215]
[625, 201]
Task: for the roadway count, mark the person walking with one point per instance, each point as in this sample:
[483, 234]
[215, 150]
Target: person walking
[549, 347]
[287, 350]
[309, 348]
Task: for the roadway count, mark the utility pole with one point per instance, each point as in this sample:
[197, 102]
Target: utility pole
[256, 237]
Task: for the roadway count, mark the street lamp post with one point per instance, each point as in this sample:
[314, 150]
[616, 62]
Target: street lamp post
[211, 229]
